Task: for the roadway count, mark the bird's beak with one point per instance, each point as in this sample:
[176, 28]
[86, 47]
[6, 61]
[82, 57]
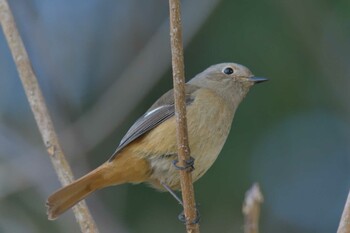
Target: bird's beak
[257, 79]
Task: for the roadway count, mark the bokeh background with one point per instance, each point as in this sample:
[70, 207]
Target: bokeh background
[101, 64]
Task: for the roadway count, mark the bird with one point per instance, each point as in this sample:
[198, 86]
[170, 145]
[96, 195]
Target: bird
[147, 152]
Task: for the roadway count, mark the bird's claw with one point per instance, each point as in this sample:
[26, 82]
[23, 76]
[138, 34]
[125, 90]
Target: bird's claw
[189, 164]
[182, 218]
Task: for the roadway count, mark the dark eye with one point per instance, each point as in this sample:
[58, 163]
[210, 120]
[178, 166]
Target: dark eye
[228, 70]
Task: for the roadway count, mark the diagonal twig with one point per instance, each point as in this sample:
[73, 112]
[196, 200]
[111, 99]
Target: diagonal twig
[41, 114]
[180, 110]
[344, 224]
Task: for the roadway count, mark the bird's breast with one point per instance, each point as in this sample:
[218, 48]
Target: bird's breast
[209, 122]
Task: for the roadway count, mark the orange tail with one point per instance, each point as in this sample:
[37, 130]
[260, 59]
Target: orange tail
[123, 169]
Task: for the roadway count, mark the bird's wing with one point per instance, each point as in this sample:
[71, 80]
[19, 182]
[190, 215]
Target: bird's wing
[160, 111]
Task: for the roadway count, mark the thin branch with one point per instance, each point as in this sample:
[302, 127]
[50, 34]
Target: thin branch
[251, 209]
[180, 109]
[344, 225]
[38, 106]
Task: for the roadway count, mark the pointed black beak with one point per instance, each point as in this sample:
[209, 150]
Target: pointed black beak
[257, 79]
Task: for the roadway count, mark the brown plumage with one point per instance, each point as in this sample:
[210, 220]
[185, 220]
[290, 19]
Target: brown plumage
[147, 151]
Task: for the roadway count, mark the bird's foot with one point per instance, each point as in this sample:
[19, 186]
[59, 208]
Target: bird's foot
[189, 164]
[182, 218]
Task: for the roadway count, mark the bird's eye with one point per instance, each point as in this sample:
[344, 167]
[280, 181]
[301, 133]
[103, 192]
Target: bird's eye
[228, 70]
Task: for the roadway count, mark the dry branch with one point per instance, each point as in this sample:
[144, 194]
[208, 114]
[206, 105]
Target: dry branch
[344, 225]
[251, 209]
[38, 106]
[180, 109]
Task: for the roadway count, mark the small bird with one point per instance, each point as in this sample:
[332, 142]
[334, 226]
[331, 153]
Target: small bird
[148, 150]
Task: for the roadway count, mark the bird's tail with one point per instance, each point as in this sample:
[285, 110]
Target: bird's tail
[68, 196]
[124, 169]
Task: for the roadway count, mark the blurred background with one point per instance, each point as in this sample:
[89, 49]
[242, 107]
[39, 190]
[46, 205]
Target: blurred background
[101, 64]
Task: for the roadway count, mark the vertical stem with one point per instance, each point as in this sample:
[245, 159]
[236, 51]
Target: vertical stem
[344, 224]
[180, 113]
[251, 209]
[41, 114]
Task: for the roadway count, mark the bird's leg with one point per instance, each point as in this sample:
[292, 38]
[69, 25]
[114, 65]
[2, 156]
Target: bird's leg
[172, 193]
[189, 164]
[181, 216]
